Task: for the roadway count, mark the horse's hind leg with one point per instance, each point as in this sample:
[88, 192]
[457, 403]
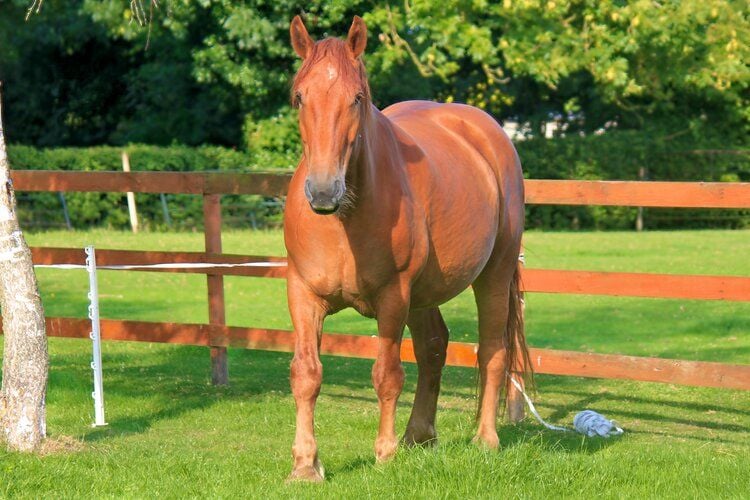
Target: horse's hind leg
[492, 290]
[430, 336]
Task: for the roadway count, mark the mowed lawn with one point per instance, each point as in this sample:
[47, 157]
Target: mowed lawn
[171, 434]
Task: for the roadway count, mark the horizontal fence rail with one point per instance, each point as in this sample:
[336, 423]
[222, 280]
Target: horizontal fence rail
[562, 192]
[668, 286]
[538, 192]
[269, 184]
[52, 255]
[545, 361]
[639, 193]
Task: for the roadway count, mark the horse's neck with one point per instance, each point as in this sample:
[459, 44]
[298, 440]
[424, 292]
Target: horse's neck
[376, 164]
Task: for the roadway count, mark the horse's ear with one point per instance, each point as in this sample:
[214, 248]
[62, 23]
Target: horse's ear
[301, 41]
[356, 41]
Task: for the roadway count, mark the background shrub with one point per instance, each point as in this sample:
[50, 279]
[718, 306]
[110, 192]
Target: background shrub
[44, 210]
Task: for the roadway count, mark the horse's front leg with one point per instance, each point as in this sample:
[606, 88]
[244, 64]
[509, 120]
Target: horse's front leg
[387, 372]
[307, 311]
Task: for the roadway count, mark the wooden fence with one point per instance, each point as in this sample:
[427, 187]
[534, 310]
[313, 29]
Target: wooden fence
[218, 336]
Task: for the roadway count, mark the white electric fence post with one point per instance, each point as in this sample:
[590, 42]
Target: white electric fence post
[96, 364]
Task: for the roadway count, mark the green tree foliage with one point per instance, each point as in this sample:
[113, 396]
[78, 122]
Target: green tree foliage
[74, 79]
[208, 66]
[593, 60]
[81, 72]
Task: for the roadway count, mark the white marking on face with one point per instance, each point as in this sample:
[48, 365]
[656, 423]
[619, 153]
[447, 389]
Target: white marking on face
[331, 72]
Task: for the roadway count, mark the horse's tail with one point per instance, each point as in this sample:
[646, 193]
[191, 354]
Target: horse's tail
[517, 360]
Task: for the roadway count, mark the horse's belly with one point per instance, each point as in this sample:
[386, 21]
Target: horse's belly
[461, 197]
[440, 281]
[459, 249]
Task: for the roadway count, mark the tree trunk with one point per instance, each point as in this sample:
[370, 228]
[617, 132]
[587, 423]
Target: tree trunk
[23, 418]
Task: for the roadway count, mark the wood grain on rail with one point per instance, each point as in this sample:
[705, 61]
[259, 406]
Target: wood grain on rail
[268, 184]
[538, 191]
[637, 284]
[671, 371]
[110, 182]
[638, 193]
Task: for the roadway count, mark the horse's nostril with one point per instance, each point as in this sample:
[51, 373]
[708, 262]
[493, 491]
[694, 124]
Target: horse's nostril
[308, 191]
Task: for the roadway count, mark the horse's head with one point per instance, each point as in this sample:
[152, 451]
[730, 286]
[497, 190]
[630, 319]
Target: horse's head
[331, 93]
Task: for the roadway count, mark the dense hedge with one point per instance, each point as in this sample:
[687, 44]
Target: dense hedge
[110, 209]
[611, 156]
[620, 156]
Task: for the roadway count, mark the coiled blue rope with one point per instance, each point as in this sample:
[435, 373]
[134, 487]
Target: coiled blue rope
[587, 422]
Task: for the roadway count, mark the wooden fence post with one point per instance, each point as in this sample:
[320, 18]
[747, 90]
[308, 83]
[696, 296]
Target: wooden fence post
[66, 214]
[165, 210]
[130, 195]
[212, 221]
[639, 217]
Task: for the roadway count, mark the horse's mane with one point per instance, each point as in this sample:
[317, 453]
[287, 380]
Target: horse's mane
[351, 71]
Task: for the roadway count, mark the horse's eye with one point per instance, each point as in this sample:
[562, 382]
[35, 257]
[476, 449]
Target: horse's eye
[298, 100]
[358, 98]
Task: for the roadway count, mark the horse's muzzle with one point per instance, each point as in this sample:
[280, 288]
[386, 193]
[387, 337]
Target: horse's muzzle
[324, 199]
[324, 209]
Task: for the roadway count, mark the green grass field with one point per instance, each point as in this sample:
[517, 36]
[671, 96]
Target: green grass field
[171, 434]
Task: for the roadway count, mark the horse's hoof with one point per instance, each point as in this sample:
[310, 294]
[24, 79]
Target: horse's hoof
[308, 474]
[487, 441]
[385, 450]
[381, 458]
[423, 437]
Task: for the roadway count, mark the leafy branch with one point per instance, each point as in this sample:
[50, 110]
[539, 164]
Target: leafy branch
[143, 15]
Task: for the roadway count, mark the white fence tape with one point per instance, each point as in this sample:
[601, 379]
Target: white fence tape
[176, 265]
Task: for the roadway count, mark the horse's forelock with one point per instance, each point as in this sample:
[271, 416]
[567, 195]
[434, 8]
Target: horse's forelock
[334, 49]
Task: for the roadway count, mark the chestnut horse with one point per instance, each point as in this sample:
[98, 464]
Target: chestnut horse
[393, 213]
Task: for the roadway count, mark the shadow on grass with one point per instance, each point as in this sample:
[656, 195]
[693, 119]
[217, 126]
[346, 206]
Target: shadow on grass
[511, 437]
[519, 434]
[567, 409]
[66, 302]
[655, 327]
[571, 386]
[160, 385]
[713, 353]
[358, 464]
[656, 416]
[683, 405]
[146, 384]
[569, 442]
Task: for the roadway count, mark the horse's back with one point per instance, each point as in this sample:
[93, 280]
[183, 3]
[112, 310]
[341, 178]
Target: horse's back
[467, 178]
[443, 131]
[440, 125]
